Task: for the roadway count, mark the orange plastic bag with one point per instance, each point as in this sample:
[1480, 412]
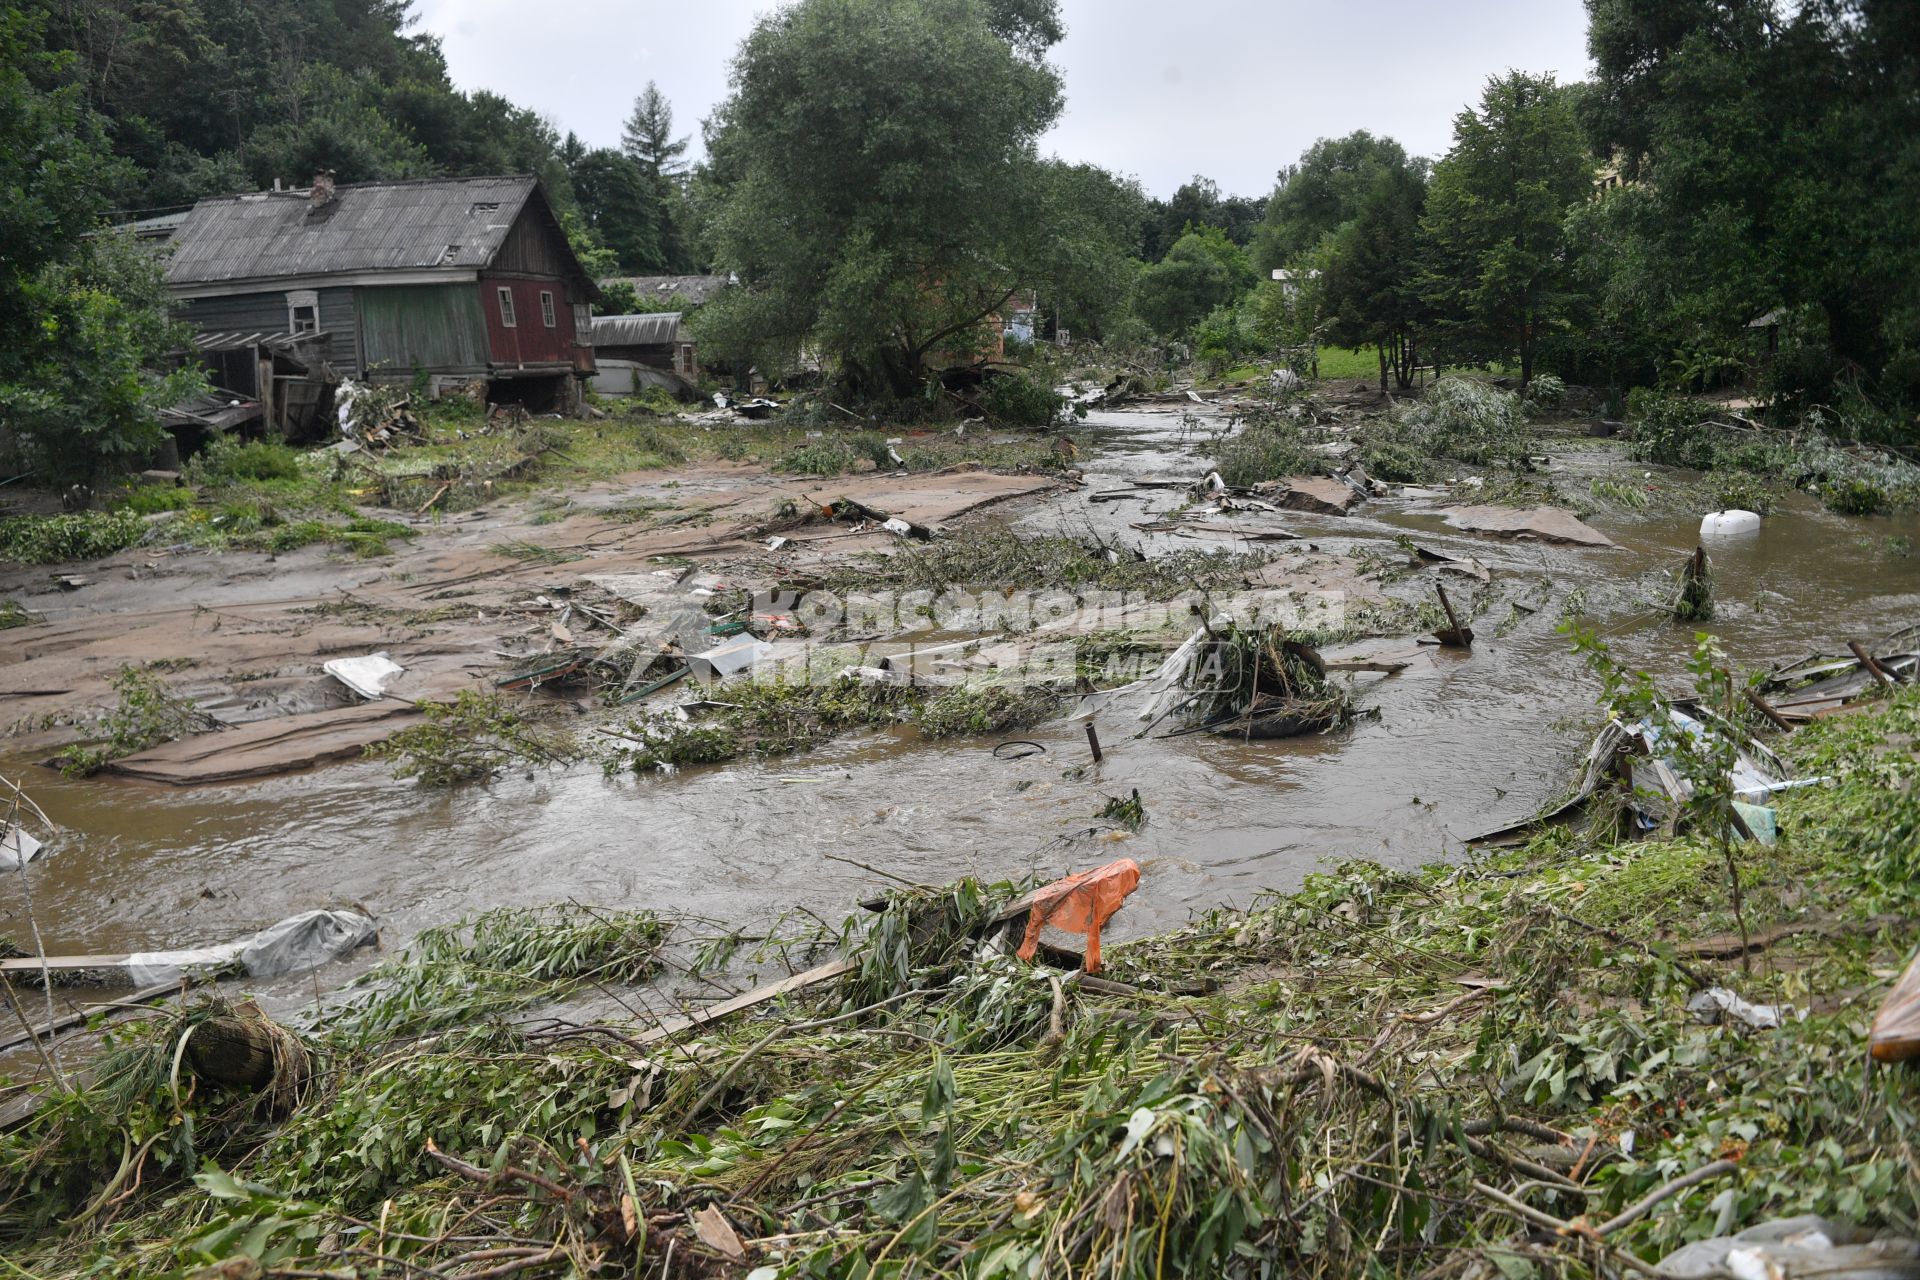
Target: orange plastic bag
[1081, 904]
[1896, 1032]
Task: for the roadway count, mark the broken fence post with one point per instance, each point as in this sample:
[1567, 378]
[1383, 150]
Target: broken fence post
[1866, 660]
[1093, 741]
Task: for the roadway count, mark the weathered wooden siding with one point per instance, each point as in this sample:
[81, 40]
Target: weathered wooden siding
[266, 312]
[529, 341]
[531, 248]
[432, 327]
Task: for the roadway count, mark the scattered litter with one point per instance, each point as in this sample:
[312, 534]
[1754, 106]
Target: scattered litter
[369, 676]
[1717, 1004]
[898, 526]
[1729, 524]
[1081, 904]
[718, 1234]
[1896, 1032]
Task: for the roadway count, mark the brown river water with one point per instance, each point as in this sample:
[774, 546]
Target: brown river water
[1463, 743]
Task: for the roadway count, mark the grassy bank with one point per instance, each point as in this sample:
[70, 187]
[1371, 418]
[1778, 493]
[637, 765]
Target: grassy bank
[1385, 1073]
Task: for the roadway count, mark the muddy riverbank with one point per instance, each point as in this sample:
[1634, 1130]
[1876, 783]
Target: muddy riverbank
[1462, 742]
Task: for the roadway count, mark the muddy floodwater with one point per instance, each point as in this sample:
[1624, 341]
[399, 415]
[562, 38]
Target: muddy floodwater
[1462, 743]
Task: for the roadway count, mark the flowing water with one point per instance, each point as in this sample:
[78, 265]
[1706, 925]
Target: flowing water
[1463, 743]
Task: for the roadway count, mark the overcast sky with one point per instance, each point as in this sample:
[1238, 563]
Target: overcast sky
[1161, 89]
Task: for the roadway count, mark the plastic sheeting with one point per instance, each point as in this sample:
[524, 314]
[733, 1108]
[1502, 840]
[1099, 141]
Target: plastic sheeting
[369, 676]
[1081, 904]
[1804, 1246]
[18, 848]
[295, 944]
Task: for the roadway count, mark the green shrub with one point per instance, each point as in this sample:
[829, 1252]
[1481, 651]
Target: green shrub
[1470, 421]
[152, 499]
[1742, 491]
[84, 535]
[1021, 402]
[824, 457]
[1268, 449]
[231, 461]
[1546, 391]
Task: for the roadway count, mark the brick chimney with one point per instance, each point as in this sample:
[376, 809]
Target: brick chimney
[322, 194]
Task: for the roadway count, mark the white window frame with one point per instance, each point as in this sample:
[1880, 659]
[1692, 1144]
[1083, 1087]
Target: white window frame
[547, 312]
[299, 300]
[504, 297]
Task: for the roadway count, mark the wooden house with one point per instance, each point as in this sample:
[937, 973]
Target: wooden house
[450, 279]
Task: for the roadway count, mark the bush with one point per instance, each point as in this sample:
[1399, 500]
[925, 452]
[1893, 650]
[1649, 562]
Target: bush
[1471, 422]
[231, 461]
[85, 535]
[1267, 449]
[1546, 391]
[1666, 429]
[152, 499]
[1021, 402]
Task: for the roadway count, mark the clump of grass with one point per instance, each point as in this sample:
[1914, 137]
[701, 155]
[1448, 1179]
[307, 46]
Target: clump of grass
[475, 738]
[976, 711]
[836, 454]
[229, 461]
[14, 614]
[148, 714]
[153, 499]
[1620, 493]
[83, 535]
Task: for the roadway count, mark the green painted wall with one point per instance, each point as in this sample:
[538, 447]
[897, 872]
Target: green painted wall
[433, 327]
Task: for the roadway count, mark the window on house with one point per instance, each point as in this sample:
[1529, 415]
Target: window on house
[506, 309]
[546, 309]
[303, 311]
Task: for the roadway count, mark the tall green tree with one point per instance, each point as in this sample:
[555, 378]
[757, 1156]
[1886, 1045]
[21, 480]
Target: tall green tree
[648, 135]
[1369, 287]
[619, 202]
[1198, 203]
[1322, 193]
[648, 138]
[879, 190]
[1203, 271]
[1498, 276]
[1772, 159]
[1092, 221]
[83, 318]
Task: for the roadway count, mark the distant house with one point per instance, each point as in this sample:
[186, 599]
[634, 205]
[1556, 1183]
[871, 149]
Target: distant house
[456, 279]
[635, 353]
[683, 293]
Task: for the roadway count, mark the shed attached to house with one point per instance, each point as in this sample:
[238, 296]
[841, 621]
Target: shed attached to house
[634, 353]
[455, 279]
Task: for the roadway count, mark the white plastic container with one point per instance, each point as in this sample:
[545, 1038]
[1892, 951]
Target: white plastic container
[1729, 524]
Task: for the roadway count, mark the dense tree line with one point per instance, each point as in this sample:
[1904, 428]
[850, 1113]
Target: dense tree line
[874, 180]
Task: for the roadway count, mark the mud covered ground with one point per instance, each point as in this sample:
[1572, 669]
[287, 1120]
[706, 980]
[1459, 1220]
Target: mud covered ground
[1462, 743]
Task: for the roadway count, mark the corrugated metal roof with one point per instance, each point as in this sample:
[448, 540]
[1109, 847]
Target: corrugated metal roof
[659, 329]
[693, 290]
[451, 223]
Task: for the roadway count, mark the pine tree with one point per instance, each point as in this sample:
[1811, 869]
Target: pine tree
[648, 136]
